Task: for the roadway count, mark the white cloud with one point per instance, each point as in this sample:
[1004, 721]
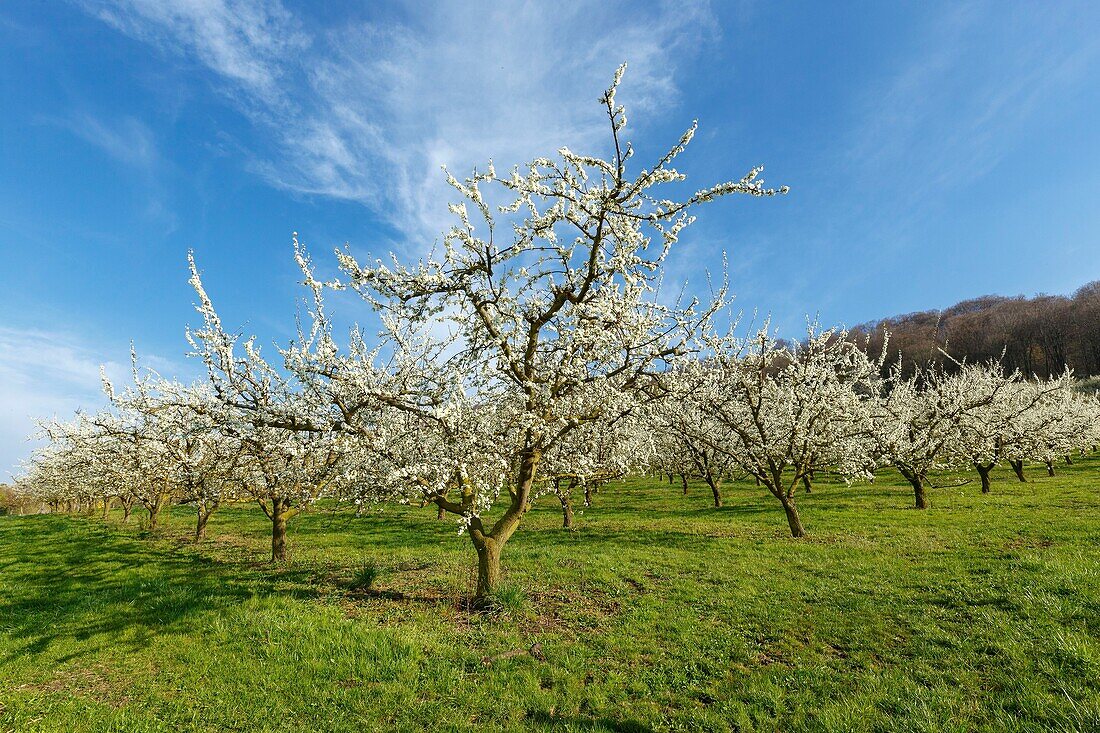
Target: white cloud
[127, 139]
[46, 374]
[43, 375]
[369, 111]
[245, 41]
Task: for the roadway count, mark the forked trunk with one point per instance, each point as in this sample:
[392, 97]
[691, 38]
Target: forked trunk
[917, 482]
[200, 523]
[490, 545]
[127, 509]
[1018, 469]
[983, 472]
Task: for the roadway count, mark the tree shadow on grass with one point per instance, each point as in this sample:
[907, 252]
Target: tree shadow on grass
[70, 579]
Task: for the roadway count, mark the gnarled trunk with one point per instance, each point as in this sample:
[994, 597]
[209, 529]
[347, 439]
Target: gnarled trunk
[1018, 469]
[795, 522]
[566, 509]
[278, 529]
[488, 568]
[203, 514]
[983, 472]
[490, 545]
[917, 482]
[154, 513]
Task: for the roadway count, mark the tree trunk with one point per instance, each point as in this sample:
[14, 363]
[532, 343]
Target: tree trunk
[670, 477]
[1018, 469]
[154, 514]
[441, 513]
[488, 568]
[587, 494]
[983, 472]
[716, 489]
[1069, 460]
[106, 507]
[684, 483]
[566, 509]
[200, 523]
[1050, 468]
[278, 530]
[127, 509]
[918, 491]
[797, 530]
[806, 484]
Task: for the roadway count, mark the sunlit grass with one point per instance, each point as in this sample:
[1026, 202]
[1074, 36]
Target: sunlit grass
[658, 613]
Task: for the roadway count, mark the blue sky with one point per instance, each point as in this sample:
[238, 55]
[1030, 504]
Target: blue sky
[934, 152]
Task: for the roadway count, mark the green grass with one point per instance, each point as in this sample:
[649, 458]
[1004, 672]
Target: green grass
[658, 613]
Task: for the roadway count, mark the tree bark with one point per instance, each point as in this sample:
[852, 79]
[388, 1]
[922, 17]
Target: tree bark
[1018, 469]
[917, 482]
[795, 522]
[488, 568]
[490, 545]
[127, 509]
[983, 472]
[716, 489]
[106, 507]
[278, 529]
[684, 483]
[1050, 468]
[806, 484]
[566, 509]
[200, 522]
[441, 513]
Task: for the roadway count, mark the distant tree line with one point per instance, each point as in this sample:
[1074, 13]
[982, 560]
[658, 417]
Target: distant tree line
[1040, 336]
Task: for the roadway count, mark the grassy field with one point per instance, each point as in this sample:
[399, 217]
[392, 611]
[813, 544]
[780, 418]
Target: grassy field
[658, 613]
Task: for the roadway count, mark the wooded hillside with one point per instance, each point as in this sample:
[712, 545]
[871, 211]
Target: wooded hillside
[1041, 335]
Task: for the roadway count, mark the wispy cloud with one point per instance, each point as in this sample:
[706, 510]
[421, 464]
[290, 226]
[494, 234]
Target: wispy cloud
[52, 374]
[369, 111]
[955, 105]
[244, 41]
[127, 139]
[934, 121]
[43, 375]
